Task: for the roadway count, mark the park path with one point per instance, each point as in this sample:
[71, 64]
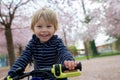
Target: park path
[105, 68]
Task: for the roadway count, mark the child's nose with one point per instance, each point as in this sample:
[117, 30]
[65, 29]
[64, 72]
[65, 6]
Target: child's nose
[44, 29]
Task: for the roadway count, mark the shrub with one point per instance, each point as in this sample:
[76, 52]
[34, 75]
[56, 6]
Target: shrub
[73, 50]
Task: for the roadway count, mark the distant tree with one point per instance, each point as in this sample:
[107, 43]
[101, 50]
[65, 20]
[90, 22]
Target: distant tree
[66, 16]
[70, 19]
[110, 19]
[91, 29]
[8, 12]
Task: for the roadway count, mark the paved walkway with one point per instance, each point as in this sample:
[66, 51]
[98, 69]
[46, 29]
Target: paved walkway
[105, 68]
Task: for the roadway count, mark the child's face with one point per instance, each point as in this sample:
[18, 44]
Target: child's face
[44, 30]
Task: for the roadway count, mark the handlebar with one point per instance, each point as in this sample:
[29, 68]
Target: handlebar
[58, 71]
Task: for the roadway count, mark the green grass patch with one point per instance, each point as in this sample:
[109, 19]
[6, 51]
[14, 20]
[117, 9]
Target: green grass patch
[108, 54]
[83, 57]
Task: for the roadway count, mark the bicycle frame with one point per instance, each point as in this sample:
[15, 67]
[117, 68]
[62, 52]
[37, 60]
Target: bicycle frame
[57, 71]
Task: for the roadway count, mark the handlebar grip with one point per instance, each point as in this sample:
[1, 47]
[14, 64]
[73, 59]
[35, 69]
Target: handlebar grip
[59, 71]
[79, 66]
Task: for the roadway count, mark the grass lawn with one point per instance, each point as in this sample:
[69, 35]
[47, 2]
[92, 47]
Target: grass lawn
[83, 57]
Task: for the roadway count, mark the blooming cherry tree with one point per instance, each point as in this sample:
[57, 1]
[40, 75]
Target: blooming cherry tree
[9, 15]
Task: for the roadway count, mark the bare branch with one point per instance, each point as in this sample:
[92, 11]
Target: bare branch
[18, 5]
[2, 23]
[15, 28]
[2, 16]
[10, 6]
[83, 5]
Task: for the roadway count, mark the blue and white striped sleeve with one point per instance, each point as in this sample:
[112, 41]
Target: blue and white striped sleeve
[22, 61]
[64, 53]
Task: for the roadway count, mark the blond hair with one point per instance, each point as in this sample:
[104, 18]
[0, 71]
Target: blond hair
[47, 14]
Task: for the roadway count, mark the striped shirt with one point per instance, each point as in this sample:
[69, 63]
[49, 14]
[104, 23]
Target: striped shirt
[43, 54]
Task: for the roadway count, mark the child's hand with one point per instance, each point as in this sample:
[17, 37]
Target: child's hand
[70, 64]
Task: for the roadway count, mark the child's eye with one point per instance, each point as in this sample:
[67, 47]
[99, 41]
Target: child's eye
[39, 26]
[49, 26]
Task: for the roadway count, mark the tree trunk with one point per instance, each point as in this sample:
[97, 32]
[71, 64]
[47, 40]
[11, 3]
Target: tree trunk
[116, 45]
[94, 51]
[10, 46]
[86, 50]
[65, 39]
[20, 49]
[90, 49]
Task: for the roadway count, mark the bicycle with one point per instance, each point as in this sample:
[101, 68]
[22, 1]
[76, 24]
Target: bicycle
[57, 71]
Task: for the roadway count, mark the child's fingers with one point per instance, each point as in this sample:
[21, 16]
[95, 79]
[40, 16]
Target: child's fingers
[70, 64]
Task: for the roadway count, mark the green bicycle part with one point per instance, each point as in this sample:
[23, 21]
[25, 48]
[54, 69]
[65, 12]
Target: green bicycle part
[9, 78]
[60, 74]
